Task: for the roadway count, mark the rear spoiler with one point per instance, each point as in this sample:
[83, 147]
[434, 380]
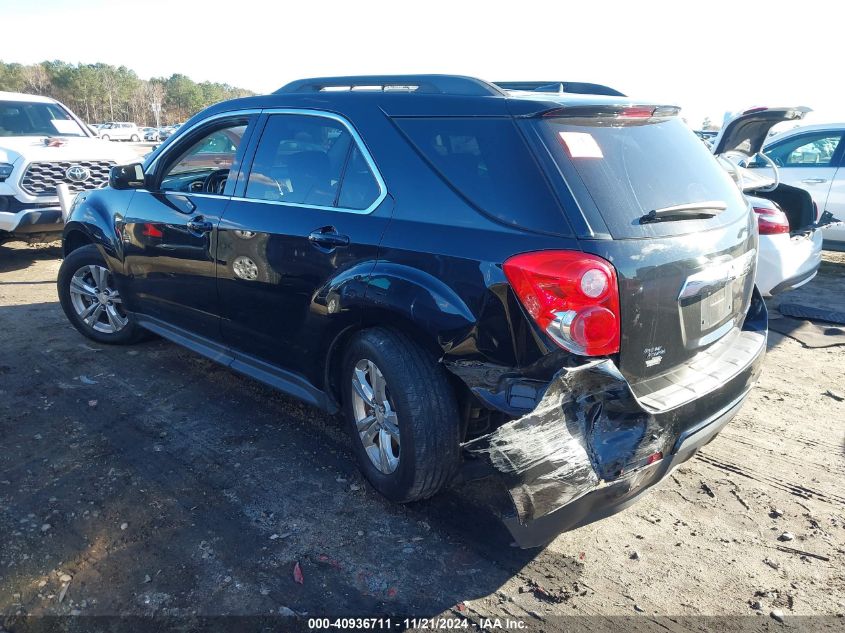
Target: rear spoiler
[572, 87]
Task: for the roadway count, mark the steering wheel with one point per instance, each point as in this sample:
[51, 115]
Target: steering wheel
[215, 182]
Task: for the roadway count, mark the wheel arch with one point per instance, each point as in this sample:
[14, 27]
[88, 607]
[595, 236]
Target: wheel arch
[414, 303]
[74, 238]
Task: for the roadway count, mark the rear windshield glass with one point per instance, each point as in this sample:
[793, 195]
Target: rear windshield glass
[625, 170]
[488, 162]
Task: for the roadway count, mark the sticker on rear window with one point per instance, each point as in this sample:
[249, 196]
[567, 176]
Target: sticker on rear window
[581, 145]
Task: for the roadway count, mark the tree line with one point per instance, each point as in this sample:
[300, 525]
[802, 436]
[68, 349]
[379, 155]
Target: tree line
[100, 92]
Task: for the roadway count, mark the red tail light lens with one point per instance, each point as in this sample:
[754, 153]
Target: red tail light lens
[771, 220]
[572, 296]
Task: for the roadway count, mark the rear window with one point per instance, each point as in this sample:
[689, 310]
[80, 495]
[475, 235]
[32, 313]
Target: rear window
[487, 161]
[623, 170]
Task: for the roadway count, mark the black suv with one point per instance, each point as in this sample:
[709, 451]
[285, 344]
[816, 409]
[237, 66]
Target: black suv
[547, 282]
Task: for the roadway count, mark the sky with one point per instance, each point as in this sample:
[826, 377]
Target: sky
[709, 57]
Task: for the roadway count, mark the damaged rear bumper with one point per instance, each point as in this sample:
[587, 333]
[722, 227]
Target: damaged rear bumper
[612, 497]
[590, 446]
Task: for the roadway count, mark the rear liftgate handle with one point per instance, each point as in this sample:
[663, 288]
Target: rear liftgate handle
[328, 237]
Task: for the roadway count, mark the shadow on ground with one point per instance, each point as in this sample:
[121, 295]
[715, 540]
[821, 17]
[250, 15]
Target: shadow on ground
[12, 259]
[163, 483]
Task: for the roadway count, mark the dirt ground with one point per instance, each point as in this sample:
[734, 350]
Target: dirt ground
[147, 480]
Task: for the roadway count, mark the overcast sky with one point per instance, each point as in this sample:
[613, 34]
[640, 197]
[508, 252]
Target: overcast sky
[708, 57]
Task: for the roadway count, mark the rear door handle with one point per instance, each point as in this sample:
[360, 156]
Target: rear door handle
[198, 225]
[814, 181]
[328, 237]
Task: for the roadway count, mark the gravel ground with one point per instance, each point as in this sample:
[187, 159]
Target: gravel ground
[147, 480]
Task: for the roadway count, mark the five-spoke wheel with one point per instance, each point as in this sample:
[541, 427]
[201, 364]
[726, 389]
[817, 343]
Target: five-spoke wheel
[375, 416]
[96, 301]
[91, 300]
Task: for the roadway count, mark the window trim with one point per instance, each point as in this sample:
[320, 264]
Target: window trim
[152, 169]
[835, 158]
[356, 138]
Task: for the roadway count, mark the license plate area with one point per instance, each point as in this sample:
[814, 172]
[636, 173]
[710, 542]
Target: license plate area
[716, 307]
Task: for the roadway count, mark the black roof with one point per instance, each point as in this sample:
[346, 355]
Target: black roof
[440, 84]
[428, 95]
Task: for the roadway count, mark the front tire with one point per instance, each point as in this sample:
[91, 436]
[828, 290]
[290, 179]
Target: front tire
[106, 137]
[134, 138]
[91, 301]
[401, 414]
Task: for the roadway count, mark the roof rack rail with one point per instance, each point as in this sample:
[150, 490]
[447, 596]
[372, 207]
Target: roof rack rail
[429, 84]
[572, 87]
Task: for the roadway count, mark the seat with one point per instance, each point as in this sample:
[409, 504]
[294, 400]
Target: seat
[310, 178]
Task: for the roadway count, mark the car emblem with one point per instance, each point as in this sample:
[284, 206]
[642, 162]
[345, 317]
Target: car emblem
[78, 173]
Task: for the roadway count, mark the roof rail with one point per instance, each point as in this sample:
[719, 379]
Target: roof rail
[576, 87]
[430, 84]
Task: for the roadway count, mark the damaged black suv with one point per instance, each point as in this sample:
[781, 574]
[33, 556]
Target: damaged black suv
[548, 282]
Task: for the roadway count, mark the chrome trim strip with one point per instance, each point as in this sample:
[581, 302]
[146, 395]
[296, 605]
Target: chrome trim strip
[718, 274]
[183, 131]
[362, 147]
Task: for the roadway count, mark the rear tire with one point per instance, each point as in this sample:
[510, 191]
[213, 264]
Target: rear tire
[90, 300]
[134, 138]
[415, 448]
[106, 137]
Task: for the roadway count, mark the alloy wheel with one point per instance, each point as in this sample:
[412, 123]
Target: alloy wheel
[96, 301]
[375, 416]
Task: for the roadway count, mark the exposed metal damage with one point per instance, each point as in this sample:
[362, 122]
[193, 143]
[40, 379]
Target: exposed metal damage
[588, 429]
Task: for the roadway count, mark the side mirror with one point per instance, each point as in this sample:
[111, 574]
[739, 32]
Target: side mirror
[127, 176]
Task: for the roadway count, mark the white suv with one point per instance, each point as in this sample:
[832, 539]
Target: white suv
[120, 131]
[42, 145]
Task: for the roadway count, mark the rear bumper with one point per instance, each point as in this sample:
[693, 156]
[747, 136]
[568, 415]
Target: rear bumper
[586, 450]
[787, 262]
[616, 496]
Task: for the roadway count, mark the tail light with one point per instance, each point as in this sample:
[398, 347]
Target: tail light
[572, 296]
[770, 219]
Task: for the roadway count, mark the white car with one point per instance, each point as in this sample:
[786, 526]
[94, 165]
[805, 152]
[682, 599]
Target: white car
[813, 157]
[42, 145]
[120, 131]
[787, 218]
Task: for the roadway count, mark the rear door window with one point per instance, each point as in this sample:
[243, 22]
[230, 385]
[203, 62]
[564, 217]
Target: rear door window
[623, 169]
[359, 188]
[488, 162]
[299, 160]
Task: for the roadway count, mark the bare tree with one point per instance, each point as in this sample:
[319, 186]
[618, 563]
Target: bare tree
[36, 79]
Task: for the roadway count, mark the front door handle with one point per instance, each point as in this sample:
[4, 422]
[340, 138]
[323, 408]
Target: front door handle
[328, 237]
[198, 225]
[814, 181]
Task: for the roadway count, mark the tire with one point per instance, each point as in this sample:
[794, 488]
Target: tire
[106, 137]
[134, 138]
[426, 415]
[82, 263]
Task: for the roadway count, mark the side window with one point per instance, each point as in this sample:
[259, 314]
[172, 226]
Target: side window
[204, 166]
[299, 160]
[359, 188]
[807, 150]
[487, 160]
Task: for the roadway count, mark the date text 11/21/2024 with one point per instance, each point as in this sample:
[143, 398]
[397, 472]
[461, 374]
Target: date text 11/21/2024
[438, 624]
